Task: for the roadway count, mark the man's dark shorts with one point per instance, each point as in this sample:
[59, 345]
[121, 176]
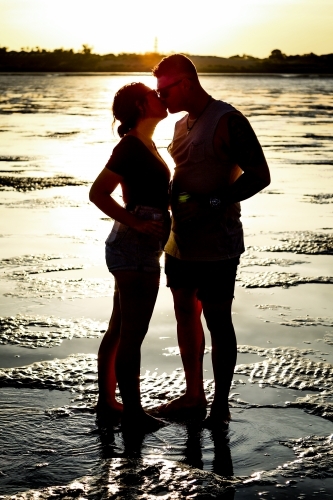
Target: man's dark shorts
[214, 280]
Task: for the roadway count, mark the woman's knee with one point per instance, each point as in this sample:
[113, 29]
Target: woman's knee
[132, 334]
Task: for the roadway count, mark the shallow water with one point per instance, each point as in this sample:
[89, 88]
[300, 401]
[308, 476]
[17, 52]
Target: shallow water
[55, 301]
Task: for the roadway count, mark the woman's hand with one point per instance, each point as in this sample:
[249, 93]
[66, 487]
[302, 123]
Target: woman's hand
[100, 194]
[150, 227]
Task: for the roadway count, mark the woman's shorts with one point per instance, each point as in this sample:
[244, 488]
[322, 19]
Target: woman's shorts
[128, 250]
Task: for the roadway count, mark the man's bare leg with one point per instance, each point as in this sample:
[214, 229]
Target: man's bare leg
[191, 342]
[224, 355]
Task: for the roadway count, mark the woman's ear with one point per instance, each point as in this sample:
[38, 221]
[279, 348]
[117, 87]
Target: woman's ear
[141, 108]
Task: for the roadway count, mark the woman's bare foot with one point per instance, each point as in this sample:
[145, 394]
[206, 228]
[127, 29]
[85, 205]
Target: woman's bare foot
[109, 407]
[181, 406]
[136, 422]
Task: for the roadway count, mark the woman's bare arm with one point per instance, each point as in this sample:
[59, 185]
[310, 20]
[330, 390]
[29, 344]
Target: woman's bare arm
[100, 194]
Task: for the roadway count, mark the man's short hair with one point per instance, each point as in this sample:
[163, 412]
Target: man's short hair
[174, 65]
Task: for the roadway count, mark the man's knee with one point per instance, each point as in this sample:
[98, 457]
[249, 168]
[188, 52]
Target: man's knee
[218, 316]
[186, 304]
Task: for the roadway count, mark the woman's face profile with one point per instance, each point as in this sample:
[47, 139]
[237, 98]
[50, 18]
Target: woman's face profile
[154, 106]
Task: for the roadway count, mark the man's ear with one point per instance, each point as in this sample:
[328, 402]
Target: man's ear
[187, 83]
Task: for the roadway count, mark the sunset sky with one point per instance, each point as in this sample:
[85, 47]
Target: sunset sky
[209, 27]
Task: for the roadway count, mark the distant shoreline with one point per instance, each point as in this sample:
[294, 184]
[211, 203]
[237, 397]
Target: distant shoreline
[85, 62]
[147, 73]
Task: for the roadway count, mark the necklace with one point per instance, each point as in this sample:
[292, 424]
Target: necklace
[147, 141]
[188, 126]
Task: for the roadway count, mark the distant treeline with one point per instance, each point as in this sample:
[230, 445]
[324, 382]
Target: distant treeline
[61, 60]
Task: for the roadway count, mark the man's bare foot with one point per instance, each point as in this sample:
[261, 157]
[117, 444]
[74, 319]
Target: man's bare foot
[217, 420]
[140, 422]
[181, 407]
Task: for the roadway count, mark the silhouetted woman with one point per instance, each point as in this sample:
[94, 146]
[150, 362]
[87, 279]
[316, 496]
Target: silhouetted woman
[133, 247]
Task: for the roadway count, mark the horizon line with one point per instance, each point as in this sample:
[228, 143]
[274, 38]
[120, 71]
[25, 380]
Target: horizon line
[87, 49]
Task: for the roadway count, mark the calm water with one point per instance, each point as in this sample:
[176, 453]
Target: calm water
[55, 299]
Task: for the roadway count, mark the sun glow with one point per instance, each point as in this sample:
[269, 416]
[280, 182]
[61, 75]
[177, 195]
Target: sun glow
[215, 28]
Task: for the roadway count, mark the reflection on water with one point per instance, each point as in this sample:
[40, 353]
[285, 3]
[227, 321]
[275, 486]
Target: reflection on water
[56, 136]
[189, 444]
[51, 451]
[33, 183]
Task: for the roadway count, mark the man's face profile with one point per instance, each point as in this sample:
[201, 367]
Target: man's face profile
[169, 91]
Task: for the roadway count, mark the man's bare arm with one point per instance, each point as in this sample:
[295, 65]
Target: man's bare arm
[244, 148]
[234, 138]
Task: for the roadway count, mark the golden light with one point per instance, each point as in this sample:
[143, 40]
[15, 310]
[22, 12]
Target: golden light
[221, 28]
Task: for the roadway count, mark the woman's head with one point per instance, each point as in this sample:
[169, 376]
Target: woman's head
[129, 105]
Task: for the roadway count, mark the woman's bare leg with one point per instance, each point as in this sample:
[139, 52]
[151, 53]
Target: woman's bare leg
[107, 381]
[138, 293]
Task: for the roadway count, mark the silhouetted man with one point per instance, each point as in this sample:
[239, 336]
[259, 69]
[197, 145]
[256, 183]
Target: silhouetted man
[219, 162]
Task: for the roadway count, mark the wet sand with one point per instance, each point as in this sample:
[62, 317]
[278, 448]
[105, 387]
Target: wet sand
[55, 301]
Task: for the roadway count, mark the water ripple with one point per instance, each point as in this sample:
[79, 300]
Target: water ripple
[283, 367]
[305, 242]
[41, 331]
[271, 279]
[61, 288]
[24, 184]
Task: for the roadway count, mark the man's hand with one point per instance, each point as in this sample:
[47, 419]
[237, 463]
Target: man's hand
[185, 212]
[194, 209]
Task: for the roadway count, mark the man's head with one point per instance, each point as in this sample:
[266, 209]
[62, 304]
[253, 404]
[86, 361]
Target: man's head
[177, 79]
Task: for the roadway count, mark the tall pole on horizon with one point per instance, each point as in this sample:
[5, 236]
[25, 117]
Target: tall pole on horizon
[156, 45]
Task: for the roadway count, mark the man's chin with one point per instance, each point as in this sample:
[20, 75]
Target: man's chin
[173, 110]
